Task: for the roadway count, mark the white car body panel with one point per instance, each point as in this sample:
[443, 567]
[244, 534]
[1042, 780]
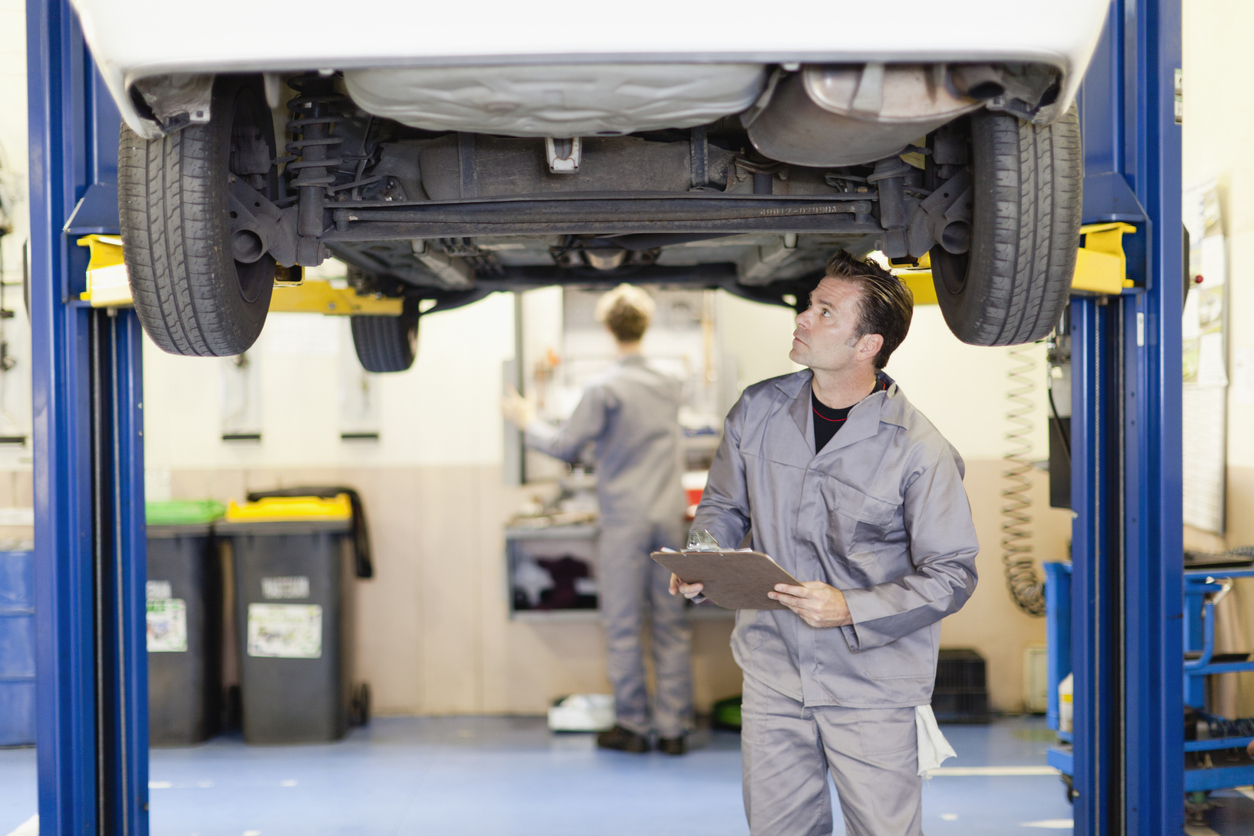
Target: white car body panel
[131, 39]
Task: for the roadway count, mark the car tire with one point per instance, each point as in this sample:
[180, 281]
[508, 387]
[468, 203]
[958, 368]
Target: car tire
[192, 297]
[1012, 284]
[387, 343]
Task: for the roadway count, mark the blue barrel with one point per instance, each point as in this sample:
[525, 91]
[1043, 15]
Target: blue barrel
[17, 648]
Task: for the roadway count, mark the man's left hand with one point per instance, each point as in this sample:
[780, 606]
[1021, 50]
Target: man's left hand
[518, 410]
[818, 604]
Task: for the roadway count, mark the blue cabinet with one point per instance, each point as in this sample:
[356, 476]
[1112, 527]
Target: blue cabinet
[17, 648]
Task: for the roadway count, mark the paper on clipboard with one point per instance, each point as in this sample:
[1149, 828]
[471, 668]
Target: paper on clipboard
[733, 579]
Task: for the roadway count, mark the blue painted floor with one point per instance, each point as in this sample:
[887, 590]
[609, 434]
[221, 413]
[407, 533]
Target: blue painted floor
[509, 776]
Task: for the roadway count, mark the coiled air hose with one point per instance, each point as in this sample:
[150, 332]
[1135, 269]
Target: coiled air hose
[1024, 584]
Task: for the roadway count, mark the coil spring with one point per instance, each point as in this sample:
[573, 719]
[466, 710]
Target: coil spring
[1016, 534]
[310, 108]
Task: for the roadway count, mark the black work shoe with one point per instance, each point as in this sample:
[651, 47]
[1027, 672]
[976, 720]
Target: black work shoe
[624, 740]
[673, 745]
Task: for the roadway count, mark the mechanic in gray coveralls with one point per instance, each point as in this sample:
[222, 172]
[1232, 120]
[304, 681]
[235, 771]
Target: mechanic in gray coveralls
[632, 413]
[854, 492]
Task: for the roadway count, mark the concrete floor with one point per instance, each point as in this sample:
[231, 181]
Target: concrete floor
[509, 775]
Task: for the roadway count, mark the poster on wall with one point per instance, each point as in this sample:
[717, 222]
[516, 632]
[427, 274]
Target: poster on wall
[1205, 361]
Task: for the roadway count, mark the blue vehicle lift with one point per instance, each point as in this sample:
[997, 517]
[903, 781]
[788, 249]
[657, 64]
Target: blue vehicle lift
[1125, 612]
[1127, 548]
[92, 662]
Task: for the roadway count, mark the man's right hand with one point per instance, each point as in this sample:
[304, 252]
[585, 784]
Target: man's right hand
[688, 590]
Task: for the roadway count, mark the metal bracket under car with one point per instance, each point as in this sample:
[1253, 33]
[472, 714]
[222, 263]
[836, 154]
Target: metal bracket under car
[259, 227]
[944, 217]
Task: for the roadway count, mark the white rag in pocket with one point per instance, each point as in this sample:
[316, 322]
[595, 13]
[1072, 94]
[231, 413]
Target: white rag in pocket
[934, 749]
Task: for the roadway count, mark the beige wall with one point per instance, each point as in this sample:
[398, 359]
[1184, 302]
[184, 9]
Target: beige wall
[434, 633]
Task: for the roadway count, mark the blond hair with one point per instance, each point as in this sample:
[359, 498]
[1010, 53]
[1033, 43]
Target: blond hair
[626, 311]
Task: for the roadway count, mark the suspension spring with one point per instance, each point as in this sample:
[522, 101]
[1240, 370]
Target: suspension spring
[310, 165]
[1016, 533]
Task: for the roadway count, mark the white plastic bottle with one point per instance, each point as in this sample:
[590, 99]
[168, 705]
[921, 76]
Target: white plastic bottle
[1064, 704]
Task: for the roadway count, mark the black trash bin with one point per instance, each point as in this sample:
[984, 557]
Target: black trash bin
[184, 623]
[293, 560]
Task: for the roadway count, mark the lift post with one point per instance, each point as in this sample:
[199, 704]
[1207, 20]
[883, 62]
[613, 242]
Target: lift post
[1127, 537]
[89, 503]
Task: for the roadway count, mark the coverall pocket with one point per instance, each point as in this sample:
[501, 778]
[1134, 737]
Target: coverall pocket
[856, 521]
[884, 730]
[910, 657]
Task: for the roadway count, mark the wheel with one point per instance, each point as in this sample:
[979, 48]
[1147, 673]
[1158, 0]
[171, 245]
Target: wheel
[387, 343]
[1069, 785]
[193, 298]
[1010, 287]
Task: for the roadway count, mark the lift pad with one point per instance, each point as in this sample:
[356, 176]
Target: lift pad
[1101, 268]
[107, 287]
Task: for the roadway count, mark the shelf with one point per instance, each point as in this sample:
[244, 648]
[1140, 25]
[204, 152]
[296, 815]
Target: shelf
[695, 614]
[581, 531]
[541, 616]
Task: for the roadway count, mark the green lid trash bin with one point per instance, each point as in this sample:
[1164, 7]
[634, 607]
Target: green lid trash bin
[184, 613]
[293, 560]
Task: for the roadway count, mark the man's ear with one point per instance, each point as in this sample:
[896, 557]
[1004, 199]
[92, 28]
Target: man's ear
[869, 346]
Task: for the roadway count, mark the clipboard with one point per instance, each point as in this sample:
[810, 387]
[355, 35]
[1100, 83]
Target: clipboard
[735, 580]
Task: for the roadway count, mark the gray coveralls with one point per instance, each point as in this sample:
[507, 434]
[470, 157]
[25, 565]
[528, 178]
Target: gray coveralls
[632, 413]
[879, 513]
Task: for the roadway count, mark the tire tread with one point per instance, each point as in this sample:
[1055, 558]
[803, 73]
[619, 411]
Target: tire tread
[172, 209]
[384, 343]
[1026, 226]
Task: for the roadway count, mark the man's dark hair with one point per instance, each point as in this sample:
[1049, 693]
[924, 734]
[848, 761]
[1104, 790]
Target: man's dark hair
[885, 304]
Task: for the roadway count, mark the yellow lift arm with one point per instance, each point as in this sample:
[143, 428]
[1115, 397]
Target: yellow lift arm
[107, 287]
[1100, 269]
[1100, 266]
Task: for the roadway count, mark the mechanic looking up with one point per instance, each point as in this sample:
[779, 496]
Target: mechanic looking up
[632, 413]
[872, 509]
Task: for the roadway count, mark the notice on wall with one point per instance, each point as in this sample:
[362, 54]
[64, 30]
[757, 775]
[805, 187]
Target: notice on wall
[167, 625]
[285, 631]
[295, 586]
[1205, 361]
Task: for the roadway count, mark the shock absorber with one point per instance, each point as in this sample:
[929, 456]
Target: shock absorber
[312, 127]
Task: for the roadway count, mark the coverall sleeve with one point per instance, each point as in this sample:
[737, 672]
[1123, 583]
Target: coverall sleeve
[724, 508]
[585, 424]
[943, 547]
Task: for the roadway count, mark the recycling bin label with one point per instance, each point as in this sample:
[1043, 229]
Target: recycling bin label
[285, 631]
[167, 625]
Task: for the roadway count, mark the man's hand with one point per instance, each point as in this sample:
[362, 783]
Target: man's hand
[818, 604]
[517, 410]
[688, 590]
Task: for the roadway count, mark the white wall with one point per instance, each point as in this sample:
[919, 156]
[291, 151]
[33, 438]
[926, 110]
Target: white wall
[960, 388]
[1218, 132]
[445, 410]
[15, 385]
[13, 158]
